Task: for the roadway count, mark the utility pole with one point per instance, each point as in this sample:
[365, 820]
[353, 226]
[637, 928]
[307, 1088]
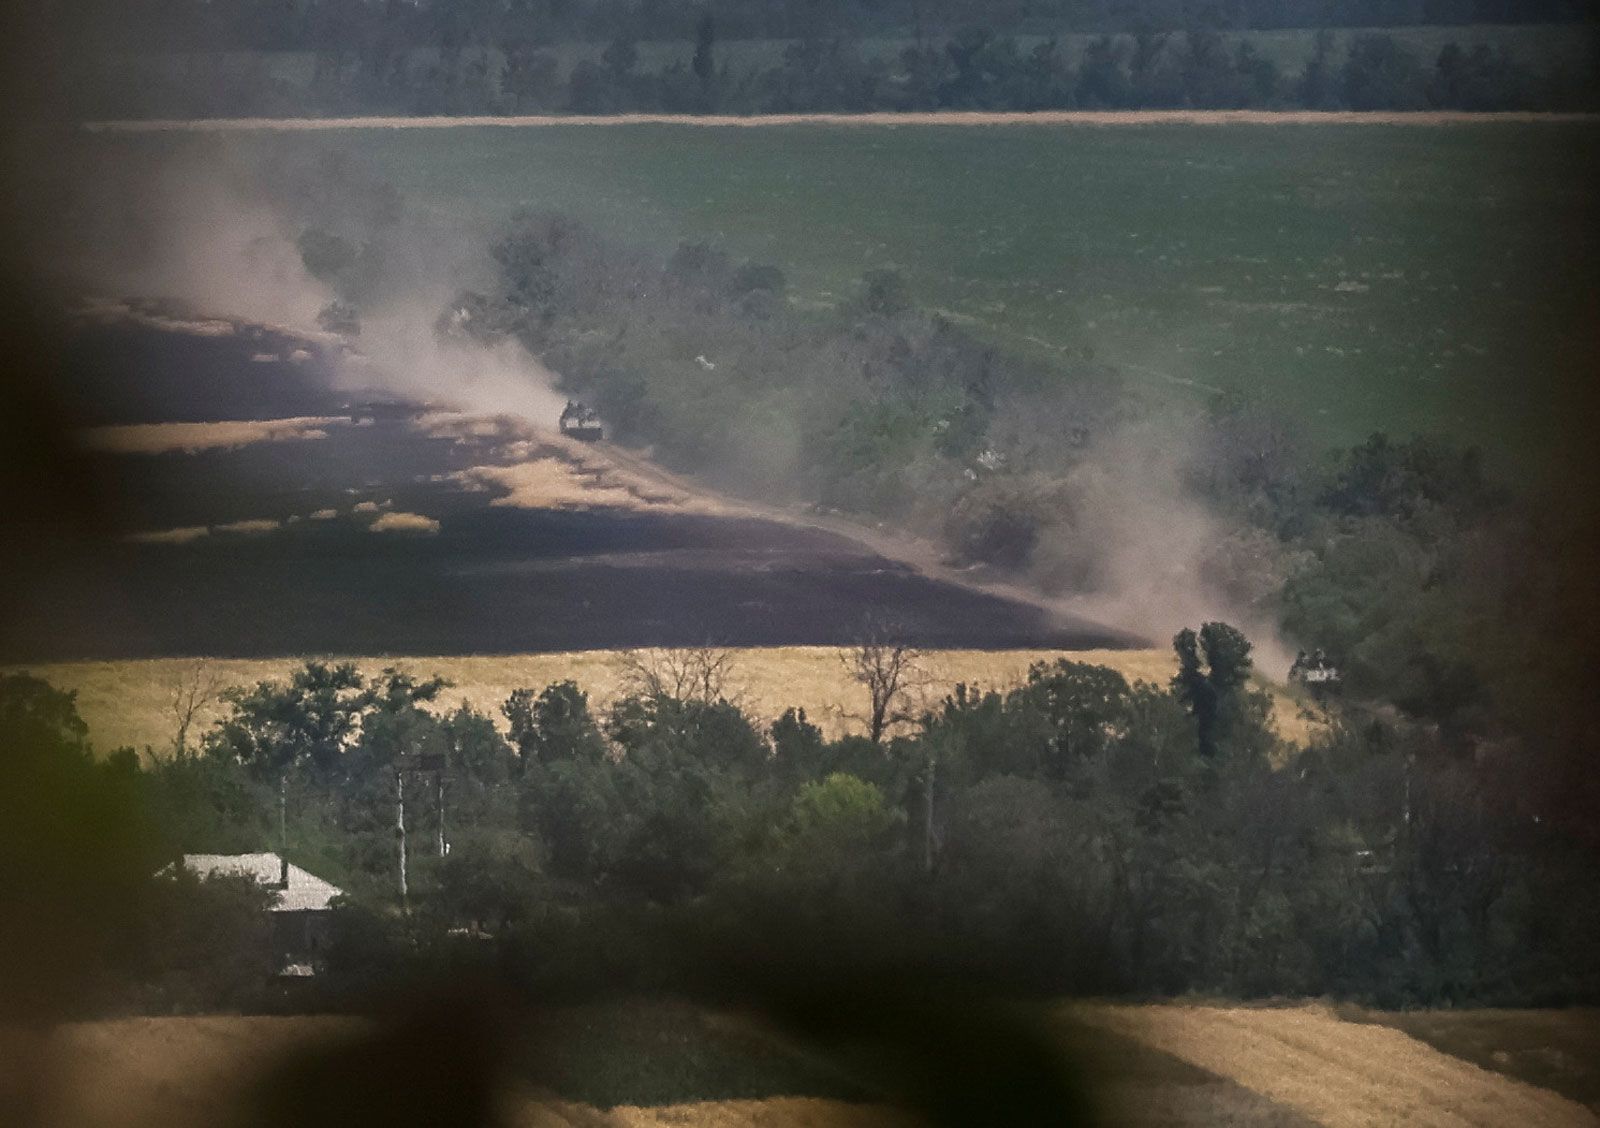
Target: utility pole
[438, 795]
[416, 763]
[400, 834]
[1405, 808]
[283, 830]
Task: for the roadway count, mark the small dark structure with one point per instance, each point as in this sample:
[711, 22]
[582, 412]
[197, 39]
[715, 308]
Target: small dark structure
[578, 421]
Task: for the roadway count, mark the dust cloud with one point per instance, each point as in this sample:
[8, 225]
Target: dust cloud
[1132, 546]
[208, 236]
[399, 351]
[1135, 546]
[192, 231]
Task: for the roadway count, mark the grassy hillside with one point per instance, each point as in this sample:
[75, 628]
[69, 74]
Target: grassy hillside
[1357, 278]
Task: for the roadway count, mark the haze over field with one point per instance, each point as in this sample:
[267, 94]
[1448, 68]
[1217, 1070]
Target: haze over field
[667, 576]
[1275, 271]
[178, 243]
[1355, 278]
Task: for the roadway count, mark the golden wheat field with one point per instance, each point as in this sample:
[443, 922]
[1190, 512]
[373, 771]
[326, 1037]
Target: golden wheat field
[1338, 1073]
[1226, 1065]
[131, 703]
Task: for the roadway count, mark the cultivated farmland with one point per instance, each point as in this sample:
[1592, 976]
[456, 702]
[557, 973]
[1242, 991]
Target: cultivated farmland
[130, 703]
[1155, 1064]
[1356, 277]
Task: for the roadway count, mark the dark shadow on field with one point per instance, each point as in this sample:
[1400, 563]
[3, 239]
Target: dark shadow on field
[1134, 1084]
[778, 1003]
[943, 1058]
[497, 583]
[272, 548]
[153, 370]
[934, 1051]
[1553, 1049]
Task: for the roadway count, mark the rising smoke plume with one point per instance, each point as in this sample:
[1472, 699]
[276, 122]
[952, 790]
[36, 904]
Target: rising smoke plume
[1135, 546]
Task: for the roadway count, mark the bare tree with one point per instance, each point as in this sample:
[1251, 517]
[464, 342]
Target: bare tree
[691, 673]
[194, 687]
[891, 671]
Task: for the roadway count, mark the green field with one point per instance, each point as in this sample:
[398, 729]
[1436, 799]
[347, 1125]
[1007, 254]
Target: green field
[1404, 278]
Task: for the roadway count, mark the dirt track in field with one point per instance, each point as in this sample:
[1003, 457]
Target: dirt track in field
[1092, 118]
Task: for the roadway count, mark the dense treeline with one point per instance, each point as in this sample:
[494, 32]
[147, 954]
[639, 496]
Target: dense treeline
[1402, 560]
[509, 68]
[1075, 833]
[310, 25]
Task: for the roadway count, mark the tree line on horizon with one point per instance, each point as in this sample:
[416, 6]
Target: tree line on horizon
[507, 68]
[312, 25]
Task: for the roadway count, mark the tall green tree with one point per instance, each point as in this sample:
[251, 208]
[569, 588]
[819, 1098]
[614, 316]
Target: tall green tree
[553, 725]
[312, 720]
[1213, 672]
[1086, 706]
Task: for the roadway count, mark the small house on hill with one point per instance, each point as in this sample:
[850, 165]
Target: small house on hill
[300, 911]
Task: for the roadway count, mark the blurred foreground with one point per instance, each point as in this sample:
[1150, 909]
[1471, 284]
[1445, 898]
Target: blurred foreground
[632, 1064]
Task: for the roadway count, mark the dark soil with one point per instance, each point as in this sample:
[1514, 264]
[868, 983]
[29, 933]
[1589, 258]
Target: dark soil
[491, 580]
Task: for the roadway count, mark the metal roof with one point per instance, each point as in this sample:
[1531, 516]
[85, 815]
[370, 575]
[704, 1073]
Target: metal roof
[305, 893]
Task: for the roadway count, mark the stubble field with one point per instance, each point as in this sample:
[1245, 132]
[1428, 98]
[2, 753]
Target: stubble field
[129, 703]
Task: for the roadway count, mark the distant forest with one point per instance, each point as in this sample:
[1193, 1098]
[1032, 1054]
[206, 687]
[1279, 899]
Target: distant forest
[308, 25]
[296, 57]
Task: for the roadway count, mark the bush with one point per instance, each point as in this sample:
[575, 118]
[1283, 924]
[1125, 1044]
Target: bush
[204, 944]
